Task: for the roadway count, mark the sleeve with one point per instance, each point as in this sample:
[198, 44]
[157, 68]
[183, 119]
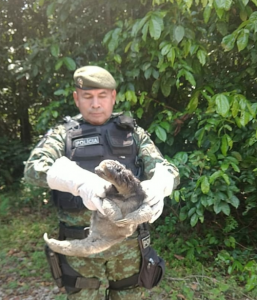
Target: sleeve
[42, 157]
[150, 155]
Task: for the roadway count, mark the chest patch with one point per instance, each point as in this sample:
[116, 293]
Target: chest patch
[86, 142]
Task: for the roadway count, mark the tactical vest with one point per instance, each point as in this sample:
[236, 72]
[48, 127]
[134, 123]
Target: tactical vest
[88, 145]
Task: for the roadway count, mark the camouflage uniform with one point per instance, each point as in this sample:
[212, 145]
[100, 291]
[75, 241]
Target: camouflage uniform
[120, 261]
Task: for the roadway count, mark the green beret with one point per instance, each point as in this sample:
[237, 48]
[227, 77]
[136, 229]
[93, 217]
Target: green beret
[93, 77]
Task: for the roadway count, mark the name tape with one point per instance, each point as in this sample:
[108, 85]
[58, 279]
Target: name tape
[86, 142]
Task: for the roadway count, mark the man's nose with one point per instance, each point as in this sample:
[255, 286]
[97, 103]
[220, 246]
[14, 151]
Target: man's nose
[95, 102]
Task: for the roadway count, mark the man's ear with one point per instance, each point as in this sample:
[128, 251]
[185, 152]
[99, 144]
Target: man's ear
[114, 93]
[75, 97]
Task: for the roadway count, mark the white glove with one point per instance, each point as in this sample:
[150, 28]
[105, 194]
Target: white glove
[160, 186]
[66, 176]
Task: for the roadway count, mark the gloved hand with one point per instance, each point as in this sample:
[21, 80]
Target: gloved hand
[160, 186]
[66, 176]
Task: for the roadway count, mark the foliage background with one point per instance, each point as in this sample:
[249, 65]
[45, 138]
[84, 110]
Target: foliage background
[187, 71]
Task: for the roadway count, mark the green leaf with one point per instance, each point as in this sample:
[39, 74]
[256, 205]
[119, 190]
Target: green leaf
[146, 66]
[227, 4]
[182, 157]
[129, 95]
[207, 13]
[220, 12]
[171, 56]
[244, 118]
[145, 31]
[165, 49]
[58, 64]
[194, 220]
[235, 167]
[55, 50]
[222, 105]
[50, 9]
[205, 185]
[237, 155]
[182, 215]
[64, 15]
[161, 133]
[245, 2]
[188, 3]
[215, 175]
[165, 88]
[191, 211]
[34, 70]
[165, 125]
[193, 103]
[201, 55]
[189, 77]
[224, 145]
[225, 208]
[148, 73]
[179, 33]
[193, 49]
[107, 37]
[234, 201]
[139, 112]
[219, 3]
[69, 63]
[217, 207]
[219, 7]
[156, 87]
[176, 195]
[118, 58]
[235, 107]
[127, 47]
[138, 25]
[54, 113]
[59, 92]
[242, 39]
[155, 28]
[186, 47]
[228, 42]
[113, 44]
[224, 166]
[226, 178]
[199, 136]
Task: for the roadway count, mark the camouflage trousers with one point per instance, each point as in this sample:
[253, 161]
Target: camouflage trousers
[118, 262]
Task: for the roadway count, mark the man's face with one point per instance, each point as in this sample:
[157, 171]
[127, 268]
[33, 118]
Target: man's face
[96, 105]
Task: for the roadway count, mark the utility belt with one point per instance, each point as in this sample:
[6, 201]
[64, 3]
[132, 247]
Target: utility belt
[150, 274]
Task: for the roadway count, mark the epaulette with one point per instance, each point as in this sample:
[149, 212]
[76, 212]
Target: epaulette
[125, 120]
[72, 122]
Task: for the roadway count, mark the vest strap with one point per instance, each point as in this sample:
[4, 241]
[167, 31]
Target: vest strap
[124, 284]
[80, 282]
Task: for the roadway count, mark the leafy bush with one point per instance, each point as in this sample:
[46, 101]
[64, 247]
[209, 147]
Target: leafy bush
[12, 156]
[192, 65]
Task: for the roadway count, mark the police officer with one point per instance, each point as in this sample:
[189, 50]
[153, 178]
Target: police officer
[65, 160]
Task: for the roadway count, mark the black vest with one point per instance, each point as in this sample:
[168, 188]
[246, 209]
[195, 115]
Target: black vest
[88, 145]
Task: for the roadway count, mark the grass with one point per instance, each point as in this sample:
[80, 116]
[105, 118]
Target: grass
[23, 263]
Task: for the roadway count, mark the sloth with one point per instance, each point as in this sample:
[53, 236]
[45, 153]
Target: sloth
[124, 210]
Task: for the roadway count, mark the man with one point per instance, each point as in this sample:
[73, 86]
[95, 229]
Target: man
[87, 139]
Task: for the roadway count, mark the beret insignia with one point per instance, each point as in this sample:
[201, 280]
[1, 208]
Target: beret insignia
[80, 82]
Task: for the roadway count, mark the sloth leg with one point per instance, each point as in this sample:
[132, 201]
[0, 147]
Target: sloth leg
[142, 214]
[81, 248]
[111, 210]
